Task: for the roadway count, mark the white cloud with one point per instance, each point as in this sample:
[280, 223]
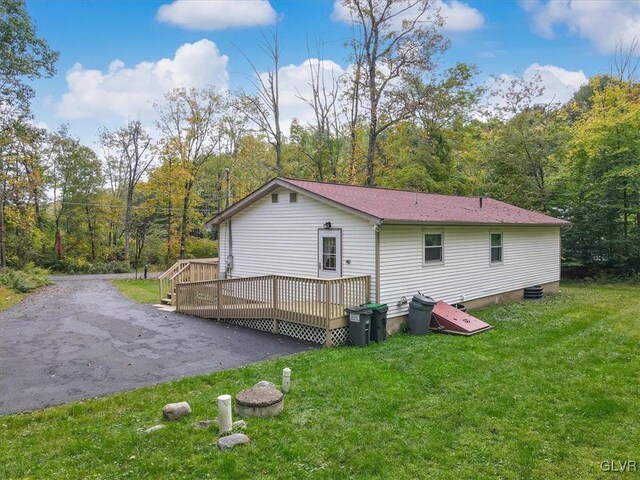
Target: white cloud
[295, 82]
[559, 84]
[217, 15]
[458, 16]
[601, 22]
[124, 91]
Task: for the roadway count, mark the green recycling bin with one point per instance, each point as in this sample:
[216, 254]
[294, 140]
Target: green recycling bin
[378, 321]
[359, 325]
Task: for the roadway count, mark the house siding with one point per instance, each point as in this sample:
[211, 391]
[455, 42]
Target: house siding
[282, 238]
[531, 255]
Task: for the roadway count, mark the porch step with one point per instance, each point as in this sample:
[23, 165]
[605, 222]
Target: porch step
[166, 301]
[169, 295]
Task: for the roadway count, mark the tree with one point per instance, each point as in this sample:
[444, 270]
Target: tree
[189, 122]
[523, 142]
[321, 141]
[399, 41]
[263, 107]
[599, 186]
[427, 152]
[23, 57]
[77, 173]
[128, 158]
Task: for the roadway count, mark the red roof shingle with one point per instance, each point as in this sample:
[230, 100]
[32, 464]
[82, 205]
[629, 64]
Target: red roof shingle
[415, 207]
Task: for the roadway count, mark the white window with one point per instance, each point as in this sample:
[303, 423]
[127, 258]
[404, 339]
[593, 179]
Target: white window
[274, 198]
[496, 247]
[433, 247]
[293, 197]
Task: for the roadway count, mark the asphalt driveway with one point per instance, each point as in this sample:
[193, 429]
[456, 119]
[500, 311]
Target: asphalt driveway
[81, 338]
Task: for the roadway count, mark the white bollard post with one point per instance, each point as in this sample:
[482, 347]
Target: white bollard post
[225, 420]
[286, 379]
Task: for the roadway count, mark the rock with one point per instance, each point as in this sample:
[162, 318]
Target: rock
[264, 384]
[259, 402]
[239, 425]
[204, 424]
[175, 411]
[155, 428]
[231, 441]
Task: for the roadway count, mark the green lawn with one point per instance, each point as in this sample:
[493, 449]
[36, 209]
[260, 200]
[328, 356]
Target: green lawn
[143, 291]
[551, 392]
[8, 298]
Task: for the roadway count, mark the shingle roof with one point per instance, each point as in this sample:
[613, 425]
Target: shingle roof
[383, 205]
[416, 207]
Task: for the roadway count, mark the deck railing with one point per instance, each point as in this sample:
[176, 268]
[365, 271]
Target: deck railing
[313, 302]
[187, 271]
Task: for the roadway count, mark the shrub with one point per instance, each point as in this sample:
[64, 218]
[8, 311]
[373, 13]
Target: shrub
[26, 280]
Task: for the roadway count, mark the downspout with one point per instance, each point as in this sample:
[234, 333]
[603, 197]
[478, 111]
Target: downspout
[376, 229]
[229, 259]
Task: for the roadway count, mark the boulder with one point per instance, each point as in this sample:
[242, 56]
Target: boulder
[175, 411]
[155, 428]
[264, 384]
[231, 441]
[204, 424]
[239, 425]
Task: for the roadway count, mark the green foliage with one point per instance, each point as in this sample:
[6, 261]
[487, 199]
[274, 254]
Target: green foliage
[202, 248]
[26, 280]
[23, 56]
[80, 265]
[600, 182]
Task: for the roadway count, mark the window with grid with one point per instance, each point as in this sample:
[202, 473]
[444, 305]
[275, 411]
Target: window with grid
[433, 248]
[329, 259]
[496, 248]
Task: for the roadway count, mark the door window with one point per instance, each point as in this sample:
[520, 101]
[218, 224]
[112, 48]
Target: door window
[329, 253]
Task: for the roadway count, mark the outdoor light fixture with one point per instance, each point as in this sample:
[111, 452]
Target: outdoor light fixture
[327, 225]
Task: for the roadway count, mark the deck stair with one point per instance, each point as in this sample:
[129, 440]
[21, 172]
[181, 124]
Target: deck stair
[186, 271]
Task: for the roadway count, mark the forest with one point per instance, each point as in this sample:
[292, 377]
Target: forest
[397, 118]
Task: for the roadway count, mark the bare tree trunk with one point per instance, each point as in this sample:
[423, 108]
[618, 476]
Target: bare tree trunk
[127, 221]
[185, 218]
[3, 241]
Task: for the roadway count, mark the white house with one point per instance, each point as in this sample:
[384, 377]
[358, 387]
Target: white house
[457, 249]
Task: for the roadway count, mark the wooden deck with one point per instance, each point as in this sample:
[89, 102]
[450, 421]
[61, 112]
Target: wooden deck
[310, 302]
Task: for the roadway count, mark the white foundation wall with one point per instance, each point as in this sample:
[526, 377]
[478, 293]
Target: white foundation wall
[282, 238]
[531, 256]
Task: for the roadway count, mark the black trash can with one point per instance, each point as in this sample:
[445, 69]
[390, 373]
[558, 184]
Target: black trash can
[359, 325]
[378, 321]
[420, 308]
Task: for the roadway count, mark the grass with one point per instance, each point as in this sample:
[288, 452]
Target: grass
[143, 291]
[8, 298]
[551, 392]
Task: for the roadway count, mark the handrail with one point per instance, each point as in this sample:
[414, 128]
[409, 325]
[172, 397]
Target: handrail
[185, 270]
[180, 271]
[310, 301]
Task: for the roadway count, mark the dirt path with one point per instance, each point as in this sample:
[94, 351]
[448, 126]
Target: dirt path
[81, 338]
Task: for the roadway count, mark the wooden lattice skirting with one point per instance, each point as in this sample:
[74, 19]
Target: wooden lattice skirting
[337, 336]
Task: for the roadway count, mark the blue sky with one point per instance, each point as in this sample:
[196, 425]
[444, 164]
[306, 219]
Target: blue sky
[196, 42]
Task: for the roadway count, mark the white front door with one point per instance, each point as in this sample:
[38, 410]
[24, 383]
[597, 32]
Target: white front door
[329, 253]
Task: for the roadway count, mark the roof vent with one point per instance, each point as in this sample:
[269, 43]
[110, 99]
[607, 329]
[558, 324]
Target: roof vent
[480, 202]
